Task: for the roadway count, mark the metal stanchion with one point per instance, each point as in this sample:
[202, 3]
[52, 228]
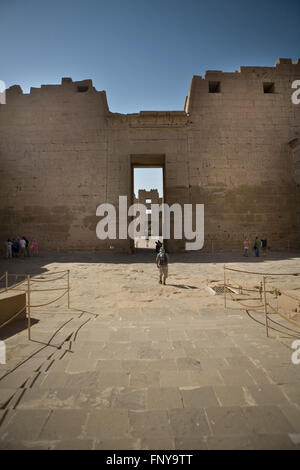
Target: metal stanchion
[6, 280]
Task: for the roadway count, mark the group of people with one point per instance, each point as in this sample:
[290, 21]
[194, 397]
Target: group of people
[258, 243]
[162, 258]
[20, 247]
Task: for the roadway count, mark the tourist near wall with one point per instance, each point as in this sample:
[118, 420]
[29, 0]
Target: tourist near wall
[235, 147]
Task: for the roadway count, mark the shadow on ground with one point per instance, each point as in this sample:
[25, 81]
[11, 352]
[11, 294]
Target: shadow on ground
[16, 327]
[38, 265]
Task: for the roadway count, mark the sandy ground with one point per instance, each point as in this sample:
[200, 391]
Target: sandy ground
[168, 365]
[119, 284]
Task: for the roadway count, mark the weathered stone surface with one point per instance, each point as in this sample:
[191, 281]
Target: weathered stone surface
[128, 398]
[291, 391]
[65, 422]
[227, 420]
[5, 395]
[198, 397]
[267, 419]
[209, 397]
[106, 424]
[233, 395]
[292, 413]
[76, 444]
[190, 443]
[150, 378]
[267, 395]
[120, 444]
[23, 425]
[186, 423]
[163, 398]
[149, 424]
[236, 151]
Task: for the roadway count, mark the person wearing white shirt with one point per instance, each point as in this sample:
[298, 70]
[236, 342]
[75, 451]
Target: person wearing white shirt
[22, 244]
[8, 245]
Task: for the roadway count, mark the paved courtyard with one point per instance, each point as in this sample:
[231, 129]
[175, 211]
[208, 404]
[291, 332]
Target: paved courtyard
[137, 365]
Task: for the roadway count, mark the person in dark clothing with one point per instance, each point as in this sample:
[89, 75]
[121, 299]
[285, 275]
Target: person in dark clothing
[158, 246]
[256, 246]
[264, 246]
[15, 248]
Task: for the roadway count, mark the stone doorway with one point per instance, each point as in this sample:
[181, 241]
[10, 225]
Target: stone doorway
[147, 175]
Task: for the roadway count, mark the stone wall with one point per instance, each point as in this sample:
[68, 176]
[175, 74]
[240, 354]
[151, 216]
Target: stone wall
[240, 162]
[235, 148]
[53, 164]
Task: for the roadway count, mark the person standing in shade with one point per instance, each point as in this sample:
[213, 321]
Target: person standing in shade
[35, 247]
[256, 246]
[264, 246]
[15, 248]
[22, 244]
[8, 245]
[246, 247]
[26, 247]
[162, 261]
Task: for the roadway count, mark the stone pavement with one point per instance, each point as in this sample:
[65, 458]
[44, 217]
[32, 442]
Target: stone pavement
[177, 372]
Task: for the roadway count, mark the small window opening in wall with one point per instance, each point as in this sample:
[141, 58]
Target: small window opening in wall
[269, 87]
[214, 87]
[82, 88]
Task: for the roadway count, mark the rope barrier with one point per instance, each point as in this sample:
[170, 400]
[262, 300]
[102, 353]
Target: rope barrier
[261, 274]
[52, 273]
[28, 279]
[41, 274]
[245, 305]
[47, 290]
[273, 328]
[48, 303]
[16, 275]
[282, 292]
[284, 316]
[262, 290]
[12, 287]
[283, 326]
[47, 280]
[254, 289]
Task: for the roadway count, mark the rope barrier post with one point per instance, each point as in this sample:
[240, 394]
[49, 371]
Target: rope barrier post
[224, 286]
[265, 305]
[6, 280]
[68, 288]
[28, 307]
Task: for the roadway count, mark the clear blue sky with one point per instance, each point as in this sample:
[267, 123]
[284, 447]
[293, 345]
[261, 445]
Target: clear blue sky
[148, 178]
[144, 53]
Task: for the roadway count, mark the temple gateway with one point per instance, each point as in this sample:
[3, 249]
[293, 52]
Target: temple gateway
[234, 147]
